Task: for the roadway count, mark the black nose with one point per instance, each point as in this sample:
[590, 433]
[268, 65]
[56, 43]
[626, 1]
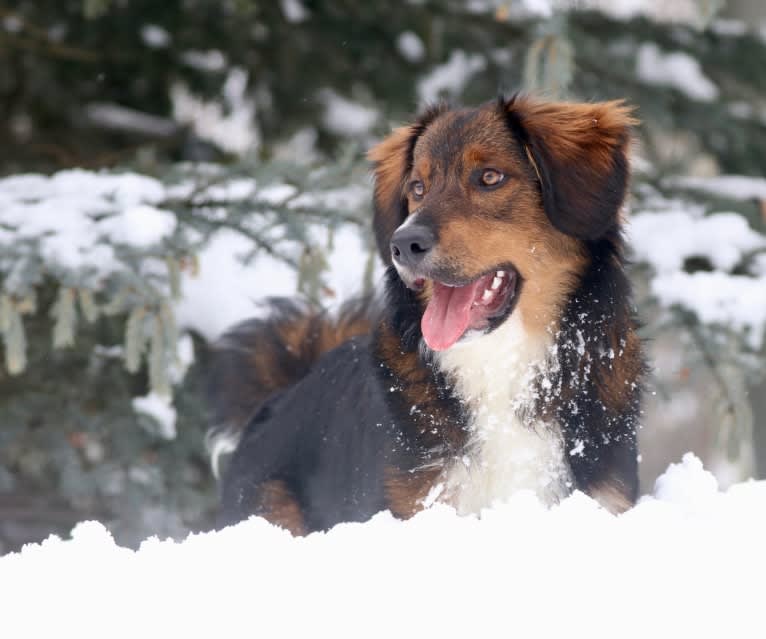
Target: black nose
[410, 244]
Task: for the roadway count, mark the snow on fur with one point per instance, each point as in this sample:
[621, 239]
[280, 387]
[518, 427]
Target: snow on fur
[675, 565]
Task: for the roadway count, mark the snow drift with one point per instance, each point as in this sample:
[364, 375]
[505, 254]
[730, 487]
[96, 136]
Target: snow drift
[681, 563]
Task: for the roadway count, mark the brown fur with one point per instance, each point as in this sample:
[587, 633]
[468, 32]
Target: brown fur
[616, 383]
[611, 495]
[407, 490]
[390, 173]
[572, 149]
[278, 505]
[579, 151]
[576, 132]
[257, 358]
[480, 230]
[392, 161]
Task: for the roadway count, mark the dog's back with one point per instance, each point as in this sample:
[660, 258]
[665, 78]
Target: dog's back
[260, 357]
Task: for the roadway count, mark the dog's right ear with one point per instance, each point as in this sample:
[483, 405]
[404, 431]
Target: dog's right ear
[392, 164]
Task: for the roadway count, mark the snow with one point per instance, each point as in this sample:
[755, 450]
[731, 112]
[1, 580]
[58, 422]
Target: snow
[231, 125]
[678, 564]
[12, 23]
[411, 46]
[68, 212]
[346, 198]
[228, 289]
[736, 187]
[718, 298]
[728, 27]
[125, 189]
[141, 226]
[154, 36]
[666, 239]
[541, 8]
[161, 410]
[676, 11]
[116, 116]
[674, 69]
[184, 359]
[210, 61]
[345, 117]
[449, 79]
[294, 11]
[277, 193]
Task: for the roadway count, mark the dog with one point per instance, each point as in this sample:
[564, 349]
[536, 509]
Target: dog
[503, 355]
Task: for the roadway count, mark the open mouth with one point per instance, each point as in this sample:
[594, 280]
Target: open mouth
[482, 304]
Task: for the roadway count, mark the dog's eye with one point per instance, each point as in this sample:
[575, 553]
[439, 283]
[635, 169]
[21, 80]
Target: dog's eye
[417, 188]
[491, 177]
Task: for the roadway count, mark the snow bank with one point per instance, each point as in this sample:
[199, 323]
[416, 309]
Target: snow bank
[676, 565]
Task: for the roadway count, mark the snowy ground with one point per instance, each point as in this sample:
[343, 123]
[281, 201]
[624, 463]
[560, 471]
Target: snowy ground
[682, 563]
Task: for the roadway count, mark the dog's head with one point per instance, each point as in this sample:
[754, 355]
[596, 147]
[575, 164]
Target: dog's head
[491, 211]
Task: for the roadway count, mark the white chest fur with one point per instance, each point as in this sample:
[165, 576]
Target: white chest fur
[508, 450]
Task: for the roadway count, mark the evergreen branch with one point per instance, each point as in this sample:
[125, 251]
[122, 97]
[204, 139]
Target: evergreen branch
[251, 235]
[708, 359]
[192, 202]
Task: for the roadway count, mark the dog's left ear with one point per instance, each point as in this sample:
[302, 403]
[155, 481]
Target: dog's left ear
[580, 155]
[392, 164]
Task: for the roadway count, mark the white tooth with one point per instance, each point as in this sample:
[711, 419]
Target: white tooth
[496, 283]
[488, 295]
[501, 273]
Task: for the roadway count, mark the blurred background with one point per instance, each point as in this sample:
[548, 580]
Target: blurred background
[164, 165]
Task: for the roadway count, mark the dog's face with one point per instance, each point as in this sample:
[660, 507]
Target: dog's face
[491, 211]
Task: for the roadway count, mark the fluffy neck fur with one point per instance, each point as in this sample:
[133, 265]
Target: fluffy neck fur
[508, 448]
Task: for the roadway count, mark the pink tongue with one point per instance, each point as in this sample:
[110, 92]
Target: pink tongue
[447, 314]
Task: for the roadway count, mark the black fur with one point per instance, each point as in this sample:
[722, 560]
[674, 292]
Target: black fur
[328, 438]
[606, 434]
[235, 386]
[404, 311]
[569, 190]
